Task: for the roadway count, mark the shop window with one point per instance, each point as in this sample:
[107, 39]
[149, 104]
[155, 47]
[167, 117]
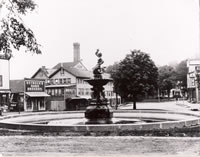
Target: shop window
[1, 80]
[42, 105]
[29, 105]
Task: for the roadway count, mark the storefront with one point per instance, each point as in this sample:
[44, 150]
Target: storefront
[34, 95]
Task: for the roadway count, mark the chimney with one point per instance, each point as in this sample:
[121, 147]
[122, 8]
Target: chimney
[76, 52]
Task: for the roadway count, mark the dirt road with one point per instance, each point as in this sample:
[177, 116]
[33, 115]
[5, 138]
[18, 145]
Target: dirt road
[98, 146]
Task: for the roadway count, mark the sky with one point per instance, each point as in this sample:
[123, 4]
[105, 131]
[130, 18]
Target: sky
[168, 30]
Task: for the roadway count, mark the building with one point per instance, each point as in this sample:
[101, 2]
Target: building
[65, 81]
[193, 80]
[28, 95]
[4, 79]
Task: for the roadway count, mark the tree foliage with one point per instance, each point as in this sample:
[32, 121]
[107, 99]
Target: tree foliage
[166, 79]
[172, 77]
[14, 33]
[135, 75]
[181, 74]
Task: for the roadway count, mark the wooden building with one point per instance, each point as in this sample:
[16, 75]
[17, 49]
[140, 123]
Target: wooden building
[29, 94]
[65, 82]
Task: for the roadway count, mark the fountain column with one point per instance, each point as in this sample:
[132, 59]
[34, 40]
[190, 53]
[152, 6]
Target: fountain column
[98, 111]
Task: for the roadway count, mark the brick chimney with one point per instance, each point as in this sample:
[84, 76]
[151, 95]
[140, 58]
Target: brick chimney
[76, 52]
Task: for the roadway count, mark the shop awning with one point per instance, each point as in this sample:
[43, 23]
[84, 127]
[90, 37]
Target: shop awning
[37, 94]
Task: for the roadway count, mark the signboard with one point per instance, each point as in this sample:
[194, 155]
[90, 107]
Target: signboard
[34, 86]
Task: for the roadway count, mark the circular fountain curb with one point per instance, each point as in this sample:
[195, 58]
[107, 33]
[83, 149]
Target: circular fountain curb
[193, 120]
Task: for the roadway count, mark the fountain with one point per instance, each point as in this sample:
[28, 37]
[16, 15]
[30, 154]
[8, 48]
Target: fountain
[98, 111]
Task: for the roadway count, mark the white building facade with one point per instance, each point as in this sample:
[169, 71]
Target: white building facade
[4, 80]
[193, 80]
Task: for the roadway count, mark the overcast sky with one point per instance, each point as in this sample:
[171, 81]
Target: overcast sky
[166, 29]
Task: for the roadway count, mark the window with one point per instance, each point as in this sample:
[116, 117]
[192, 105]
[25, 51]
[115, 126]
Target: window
[42, 105]
[59, 92]
[64, 80]
[68, 80]
[51, 81]
[62, 91]
[29, 105]
[56, 81]
[87, 91]
[60, 81]
[1, 80]
[56, 92]
[62, 72]
[52, 92]
[81, 91]
[47, 81]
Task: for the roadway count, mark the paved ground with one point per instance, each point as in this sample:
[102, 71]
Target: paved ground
[182, 106]
[106, 146]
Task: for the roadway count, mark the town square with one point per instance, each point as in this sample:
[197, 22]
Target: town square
[99, 78]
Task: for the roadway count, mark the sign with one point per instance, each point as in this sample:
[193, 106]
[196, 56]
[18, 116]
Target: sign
[34, 86]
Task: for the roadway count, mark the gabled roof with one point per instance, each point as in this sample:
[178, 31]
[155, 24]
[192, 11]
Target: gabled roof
[75, 72]
[46, 71]
[65, 65]
[17, 86]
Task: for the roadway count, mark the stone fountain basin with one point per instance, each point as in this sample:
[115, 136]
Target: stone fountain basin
[162, 120]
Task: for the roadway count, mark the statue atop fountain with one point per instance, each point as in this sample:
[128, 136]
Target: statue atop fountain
[98, 111]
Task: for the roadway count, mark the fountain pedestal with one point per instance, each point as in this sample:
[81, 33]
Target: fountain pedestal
[98, 111]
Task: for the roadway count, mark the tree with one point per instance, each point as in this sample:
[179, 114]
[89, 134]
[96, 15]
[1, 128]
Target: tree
[166, 79]
[135, 76]
[14, 33]
[181, 74]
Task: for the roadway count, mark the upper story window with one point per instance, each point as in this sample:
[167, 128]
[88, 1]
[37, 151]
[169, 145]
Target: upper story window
[56, 81]
[68, 80]
[60, 81]
[62, 72]
[1, 80]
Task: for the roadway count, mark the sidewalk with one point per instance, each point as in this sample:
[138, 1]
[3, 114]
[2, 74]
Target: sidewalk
[180, 106]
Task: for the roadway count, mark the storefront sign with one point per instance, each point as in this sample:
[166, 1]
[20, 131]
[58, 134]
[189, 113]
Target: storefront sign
[34, 86]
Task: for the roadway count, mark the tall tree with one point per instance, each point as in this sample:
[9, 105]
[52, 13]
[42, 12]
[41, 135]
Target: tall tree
[181, 74]
[135, 76]
[166, 79]
[14, 33]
